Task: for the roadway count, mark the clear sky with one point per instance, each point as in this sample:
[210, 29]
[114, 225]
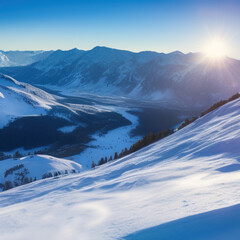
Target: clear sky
[136, 25]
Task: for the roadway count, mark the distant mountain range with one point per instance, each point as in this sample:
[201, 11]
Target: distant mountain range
[186, 80]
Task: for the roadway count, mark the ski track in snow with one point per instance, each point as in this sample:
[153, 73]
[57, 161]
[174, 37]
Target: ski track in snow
[193, 171]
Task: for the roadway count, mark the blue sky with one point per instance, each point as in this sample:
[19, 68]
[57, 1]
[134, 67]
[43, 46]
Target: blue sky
[136, 25]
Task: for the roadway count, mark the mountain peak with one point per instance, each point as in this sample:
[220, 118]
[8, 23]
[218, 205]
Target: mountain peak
[176, 53]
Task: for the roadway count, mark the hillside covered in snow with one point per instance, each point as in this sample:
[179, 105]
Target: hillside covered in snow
[21, 99]
[184, 186]
[20, 171]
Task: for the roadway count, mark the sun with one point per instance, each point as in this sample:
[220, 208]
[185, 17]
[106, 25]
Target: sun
[215, 48]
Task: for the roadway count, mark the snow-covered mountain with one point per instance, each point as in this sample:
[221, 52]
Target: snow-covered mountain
[21, 58]
[21, 99]
[182, 178]
[17, 172]
[190, 80]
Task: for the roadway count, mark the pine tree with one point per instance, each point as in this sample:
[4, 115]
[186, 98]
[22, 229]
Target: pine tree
[101, 162]
[25, 180]
[93, 164]
[17, 154]
[7, 185]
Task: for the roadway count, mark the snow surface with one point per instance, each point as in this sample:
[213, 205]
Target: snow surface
[220, 224]
[37, 165]
[193, 171]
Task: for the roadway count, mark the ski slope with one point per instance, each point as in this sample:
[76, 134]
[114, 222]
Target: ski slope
[177, 181]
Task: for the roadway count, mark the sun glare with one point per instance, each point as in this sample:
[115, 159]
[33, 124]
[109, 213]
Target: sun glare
[216, 48]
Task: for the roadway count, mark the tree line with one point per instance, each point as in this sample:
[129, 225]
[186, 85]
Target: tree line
[20, 177]
[145, 141]
[212, 108]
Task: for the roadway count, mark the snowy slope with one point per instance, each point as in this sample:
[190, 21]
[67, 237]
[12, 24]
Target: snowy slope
[21, 99]
[36, 166]
[220, 224]
[193, 171]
